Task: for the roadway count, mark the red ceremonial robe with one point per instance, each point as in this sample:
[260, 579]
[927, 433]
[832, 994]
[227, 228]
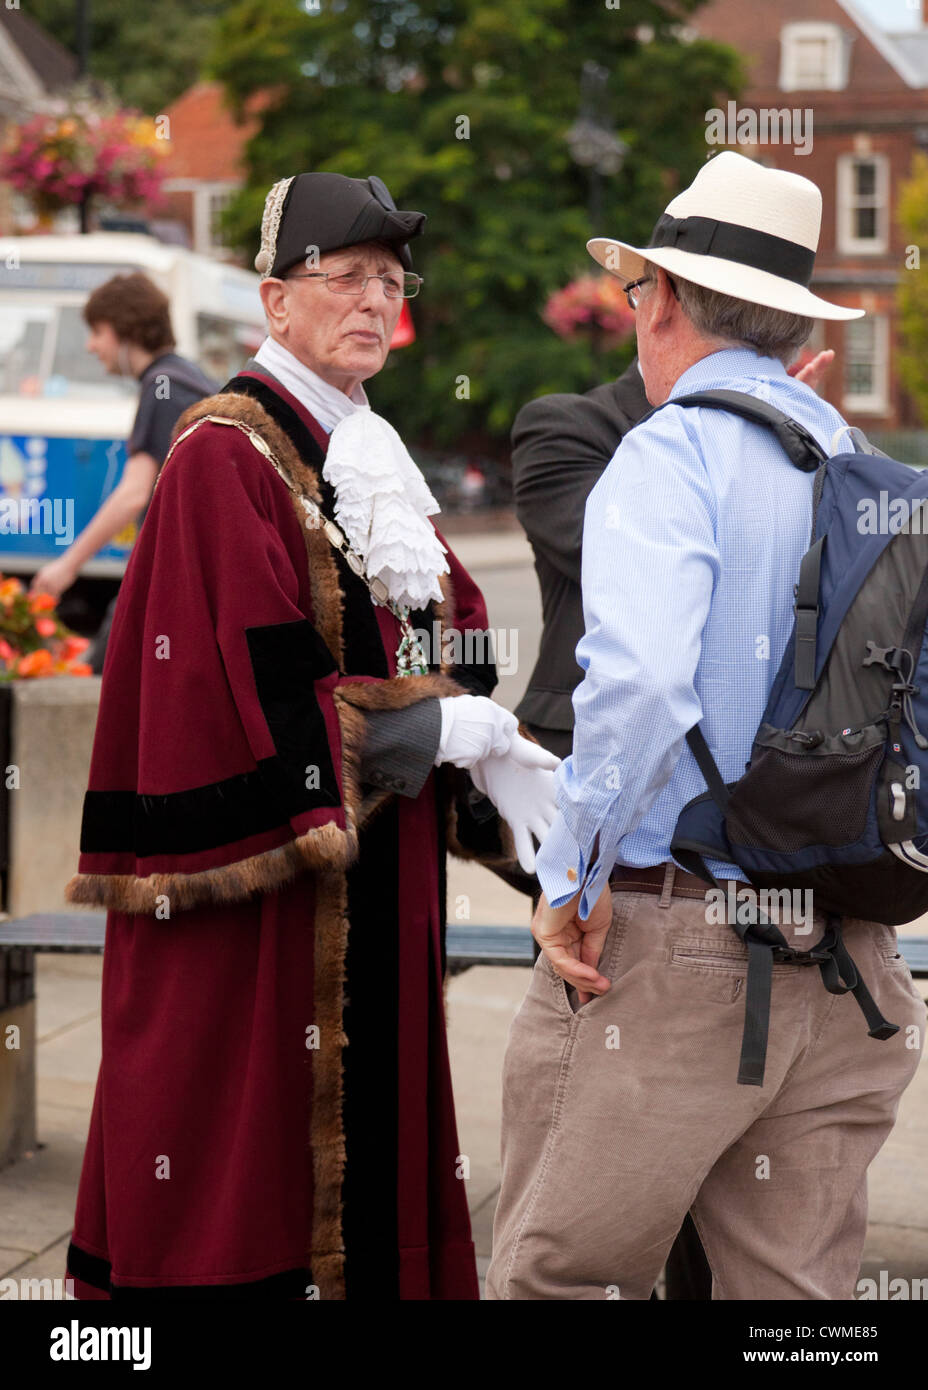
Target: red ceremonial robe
[273, 1114]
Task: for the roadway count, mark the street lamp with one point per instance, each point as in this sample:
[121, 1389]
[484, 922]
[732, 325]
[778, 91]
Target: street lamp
[591, 142]
[597, 148]
[83, 62]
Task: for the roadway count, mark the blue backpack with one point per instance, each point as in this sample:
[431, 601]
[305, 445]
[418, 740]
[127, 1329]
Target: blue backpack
[834, 800]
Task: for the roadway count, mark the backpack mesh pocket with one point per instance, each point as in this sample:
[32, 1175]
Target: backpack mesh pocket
[815, 796]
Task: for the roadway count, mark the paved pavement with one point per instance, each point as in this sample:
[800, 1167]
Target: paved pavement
[37, 1194]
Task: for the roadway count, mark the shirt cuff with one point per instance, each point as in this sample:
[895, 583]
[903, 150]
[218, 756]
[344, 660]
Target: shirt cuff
[559, 864]
[562, 869]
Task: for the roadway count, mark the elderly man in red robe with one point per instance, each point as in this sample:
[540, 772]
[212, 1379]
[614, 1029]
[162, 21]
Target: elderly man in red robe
[294, 725]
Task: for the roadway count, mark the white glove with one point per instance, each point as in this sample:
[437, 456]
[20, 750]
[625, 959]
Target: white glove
[524, 797]
[473, 727]
[529, 754]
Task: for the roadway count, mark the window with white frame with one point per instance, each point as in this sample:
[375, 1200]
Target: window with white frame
[813, 57]
[218, 202]
[210, 200]
[863, 203]
[866, 365]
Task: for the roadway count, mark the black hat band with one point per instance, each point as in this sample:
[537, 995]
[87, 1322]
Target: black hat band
[704, 236]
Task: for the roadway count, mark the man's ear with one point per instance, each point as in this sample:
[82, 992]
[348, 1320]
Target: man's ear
[274, 298]
[663, 300]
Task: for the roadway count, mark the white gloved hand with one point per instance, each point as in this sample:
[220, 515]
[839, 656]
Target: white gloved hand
[524, 797]
[529, 754]
[473, 727]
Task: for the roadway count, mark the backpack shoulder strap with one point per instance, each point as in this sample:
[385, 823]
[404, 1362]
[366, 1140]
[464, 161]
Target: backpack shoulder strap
[803, 450]
[806, 454]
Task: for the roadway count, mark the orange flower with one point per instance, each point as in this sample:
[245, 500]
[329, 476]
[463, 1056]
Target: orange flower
[46, 627]
[73, 646]
[6, 651]
[41, 603]
[80, 668]
[9, 589]
[37, 663]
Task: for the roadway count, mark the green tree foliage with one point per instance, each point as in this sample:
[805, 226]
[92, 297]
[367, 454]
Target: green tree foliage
[913, 284]
[391, 87]
[463, 108]
[148, 54]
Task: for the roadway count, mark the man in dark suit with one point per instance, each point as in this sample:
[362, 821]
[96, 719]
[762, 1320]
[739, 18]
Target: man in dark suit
[560, 446]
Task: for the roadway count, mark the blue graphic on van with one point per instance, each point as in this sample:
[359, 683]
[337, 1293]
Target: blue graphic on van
[50, 488]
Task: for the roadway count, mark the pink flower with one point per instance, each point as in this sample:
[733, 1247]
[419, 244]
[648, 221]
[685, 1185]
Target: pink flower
[589, 301]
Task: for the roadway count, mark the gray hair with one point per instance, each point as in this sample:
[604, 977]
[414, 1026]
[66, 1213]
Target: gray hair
[770, 332]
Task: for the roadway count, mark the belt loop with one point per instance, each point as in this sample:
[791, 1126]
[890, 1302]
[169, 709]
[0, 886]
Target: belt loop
[670, 871]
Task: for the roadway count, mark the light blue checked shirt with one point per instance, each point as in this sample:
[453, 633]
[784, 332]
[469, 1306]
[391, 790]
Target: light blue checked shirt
[692, 540]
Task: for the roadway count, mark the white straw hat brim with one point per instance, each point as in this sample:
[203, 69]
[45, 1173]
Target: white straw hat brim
[727, 277]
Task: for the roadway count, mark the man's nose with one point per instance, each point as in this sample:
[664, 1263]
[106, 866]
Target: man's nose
[374, 294]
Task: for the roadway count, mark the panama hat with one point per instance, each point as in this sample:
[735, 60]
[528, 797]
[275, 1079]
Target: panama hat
[741, 229]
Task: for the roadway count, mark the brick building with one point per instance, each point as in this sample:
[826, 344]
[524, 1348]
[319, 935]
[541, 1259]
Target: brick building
[858, 99]
[204, 167]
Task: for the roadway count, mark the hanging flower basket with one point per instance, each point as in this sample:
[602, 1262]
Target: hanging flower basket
[83, 150]
[33, 639]
[591, 304]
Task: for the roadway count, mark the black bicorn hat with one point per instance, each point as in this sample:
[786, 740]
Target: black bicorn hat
[325, 212]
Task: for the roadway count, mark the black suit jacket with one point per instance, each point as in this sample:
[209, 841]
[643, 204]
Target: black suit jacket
[560, 446]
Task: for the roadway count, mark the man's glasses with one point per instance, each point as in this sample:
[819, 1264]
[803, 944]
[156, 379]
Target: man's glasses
[633, 290]
[404, 286]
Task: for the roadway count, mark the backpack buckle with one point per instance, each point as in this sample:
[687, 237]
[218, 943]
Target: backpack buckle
[887, 657]
[788, 954]
[808, 738]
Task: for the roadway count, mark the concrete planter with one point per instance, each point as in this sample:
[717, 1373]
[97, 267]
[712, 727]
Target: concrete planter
[51, 725]
[46, 738]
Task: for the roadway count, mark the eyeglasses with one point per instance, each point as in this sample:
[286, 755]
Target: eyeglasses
[354, 282]
[633, 290]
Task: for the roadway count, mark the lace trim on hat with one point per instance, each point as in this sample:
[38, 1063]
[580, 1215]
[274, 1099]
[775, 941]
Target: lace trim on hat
[270, 225]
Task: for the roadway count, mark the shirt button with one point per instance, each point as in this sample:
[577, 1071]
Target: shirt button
[572, 875]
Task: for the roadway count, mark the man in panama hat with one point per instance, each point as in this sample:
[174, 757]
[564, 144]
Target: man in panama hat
[621, 1110]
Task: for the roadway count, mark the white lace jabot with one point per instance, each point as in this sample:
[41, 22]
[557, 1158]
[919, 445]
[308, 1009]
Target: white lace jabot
[382, 499]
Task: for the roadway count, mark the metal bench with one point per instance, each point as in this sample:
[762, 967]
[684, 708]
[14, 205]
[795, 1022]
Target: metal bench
[21, 937]
[477, 945]
[467, 944]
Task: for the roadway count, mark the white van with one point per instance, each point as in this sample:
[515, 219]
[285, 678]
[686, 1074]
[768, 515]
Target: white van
[63, 420]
